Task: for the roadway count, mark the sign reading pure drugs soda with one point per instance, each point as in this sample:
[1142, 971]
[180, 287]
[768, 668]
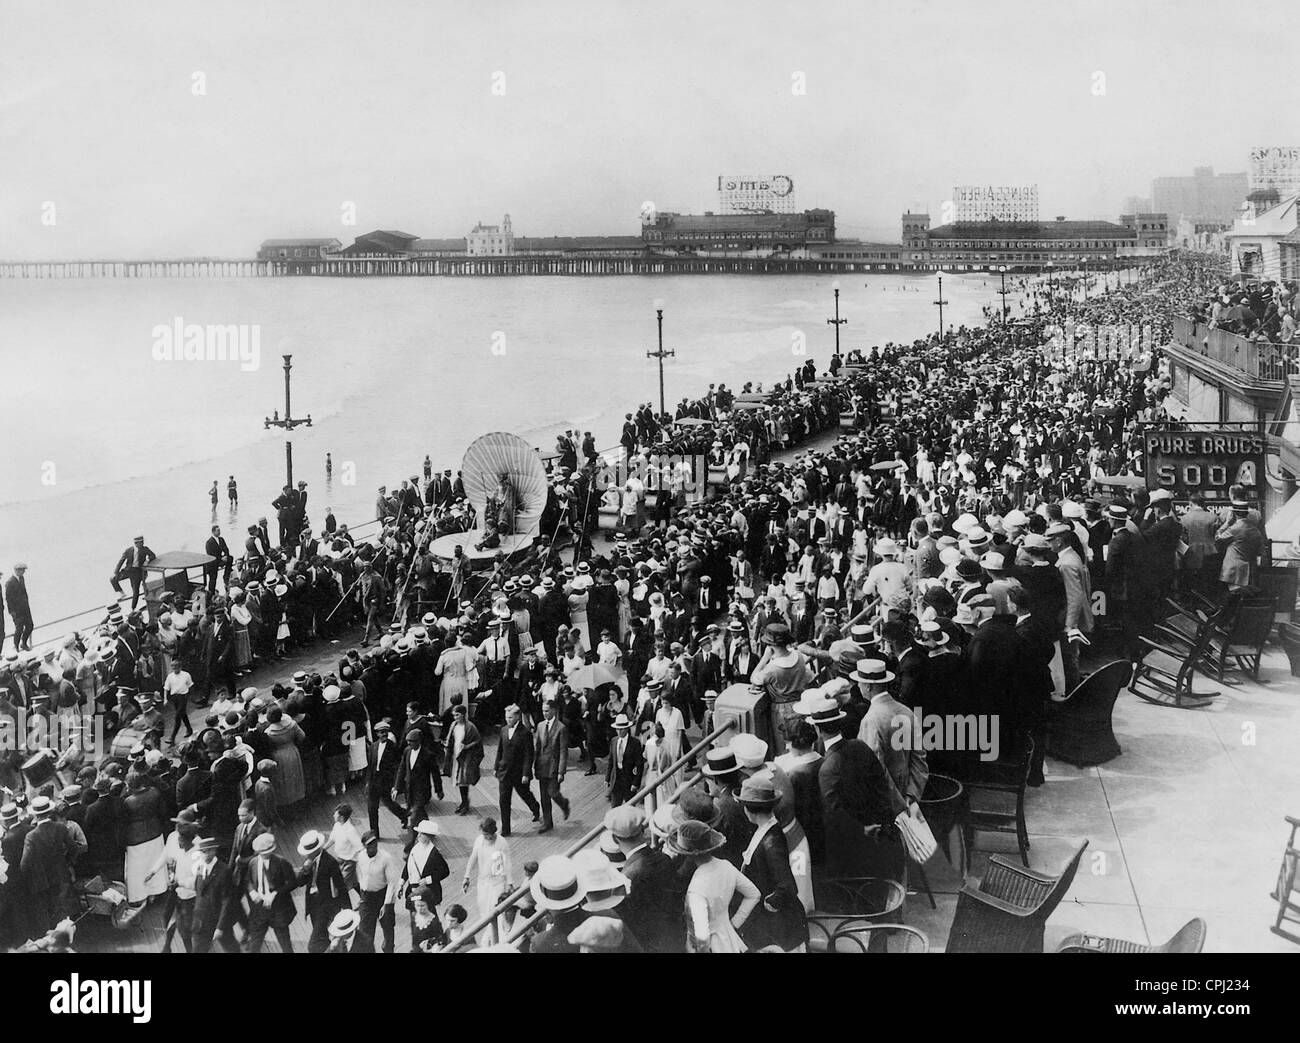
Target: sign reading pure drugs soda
[1209, 461]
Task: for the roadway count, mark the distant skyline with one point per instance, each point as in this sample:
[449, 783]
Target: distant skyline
[158, 129]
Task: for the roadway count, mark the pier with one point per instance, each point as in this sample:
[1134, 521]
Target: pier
[390, 265]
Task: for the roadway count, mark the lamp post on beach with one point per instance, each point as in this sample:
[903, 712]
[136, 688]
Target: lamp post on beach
[1006, 312]
[1050, 287]
[288, 422]
[837, 322]
[941, 302]
[660, 354]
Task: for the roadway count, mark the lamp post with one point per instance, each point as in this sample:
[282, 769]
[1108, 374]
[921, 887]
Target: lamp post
[288, 422]
[1084, 259]
[837, 322]
[1050, 287]
[1006, 312]
[660, 354]
[941, 302]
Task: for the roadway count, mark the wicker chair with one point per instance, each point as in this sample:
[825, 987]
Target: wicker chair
[1079, 727]
[1190, 938]
[1009, 909]
[1007, 778]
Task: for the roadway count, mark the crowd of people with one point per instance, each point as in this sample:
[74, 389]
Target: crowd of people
[936, 558]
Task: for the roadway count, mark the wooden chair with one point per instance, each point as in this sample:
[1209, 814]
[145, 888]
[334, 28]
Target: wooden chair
[1009, 909]
[1288, 911]
[1003, 779]
[1240, 639]
[878, 937]
[1165, 673]
[1079, 727]
[1190, 938]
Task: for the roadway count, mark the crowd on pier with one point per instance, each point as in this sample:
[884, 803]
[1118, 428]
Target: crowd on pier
[935, 558]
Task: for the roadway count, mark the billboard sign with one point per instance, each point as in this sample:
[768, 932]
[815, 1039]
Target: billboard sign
[1276, 167]
[996, 202]
[1208, 460]
[751, 194]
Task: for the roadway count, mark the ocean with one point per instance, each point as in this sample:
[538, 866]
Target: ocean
[106, 437]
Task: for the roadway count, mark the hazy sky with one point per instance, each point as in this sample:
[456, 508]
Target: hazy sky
[390, 105]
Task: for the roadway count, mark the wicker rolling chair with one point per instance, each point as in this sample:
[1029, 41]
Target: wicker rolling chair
[1190, 938]
[1009, 909]
[1079, 727]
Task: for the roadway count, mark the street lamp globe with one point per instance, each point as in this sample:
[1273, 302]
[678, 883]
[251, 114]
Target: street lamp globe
[836, 286]
[659, 304]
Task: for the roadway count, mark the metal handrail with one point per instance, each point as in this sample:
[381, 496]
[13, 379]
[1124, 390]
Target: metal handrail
[515, 896]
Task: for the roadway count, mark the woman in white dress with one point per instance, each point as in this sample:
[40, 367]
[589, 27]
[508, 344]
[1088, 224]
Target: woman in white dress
[489, 866]
[454, 665]
[578, 598]
[714, 884]
[669, 717]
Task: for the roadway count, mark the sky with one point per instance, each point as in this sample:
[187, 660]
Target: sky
[183, 128]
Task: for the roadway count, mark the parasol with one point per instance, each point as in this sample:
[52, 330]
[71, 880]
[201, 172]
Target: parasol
[594, 675]
[503, 455]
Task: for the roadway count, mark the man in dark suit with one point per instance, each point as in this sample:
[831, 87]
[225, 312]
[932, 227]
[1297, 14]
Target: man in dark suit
[20, 610]
[514, 767]
[857, 795]
[214, 892]
[325, 893]
[196, 784]
[657, 891]
[626, 762]
[382, 762]
[550, 761]
[48, 854]
[131, 566]
[682, 694]
[269, 883]
[415, 771]
[217, 549]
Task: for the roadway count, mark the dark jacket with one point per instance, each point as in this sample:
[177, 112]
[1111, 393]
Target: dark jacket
[434, 871]
[514, 753]
[416, 784]
[654, 909]
[784, 925]
[855, 793]
[281, 880]
[324, 891]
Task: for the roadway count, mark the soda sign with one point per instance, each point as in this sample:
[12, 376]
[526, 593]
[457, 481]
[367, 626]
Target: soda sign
[1206, 461]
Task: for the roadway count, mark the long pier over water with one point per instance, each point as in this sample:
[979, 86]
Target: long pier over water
[351, 267]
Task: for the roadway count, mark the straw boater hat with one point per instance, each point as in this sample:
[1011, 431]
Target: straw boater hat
[605, 886]
[608, 845]
[556, 885]
[872, 671]
[933, 633]
[820, 710]
[345, 924]
[312, 841]
[621, 723]
[721, 762]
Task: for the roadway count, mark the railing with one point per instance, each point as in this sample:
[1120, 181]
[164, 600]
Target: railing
[647, 793]
[1264, 360]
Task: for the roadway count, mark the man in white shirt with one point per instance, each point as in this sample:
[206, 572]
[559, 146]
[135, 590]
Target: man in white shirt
[177, 687]
[378, 877]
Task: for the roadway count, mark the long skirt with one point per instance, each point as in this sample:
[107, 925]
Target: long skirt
[290, 786]
[243, 648]
[140, 858]
[336, 769]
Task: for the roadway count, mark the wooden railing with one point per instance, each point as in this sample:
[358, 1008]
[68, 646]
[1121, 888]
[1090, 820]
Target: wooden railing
[1261, 359]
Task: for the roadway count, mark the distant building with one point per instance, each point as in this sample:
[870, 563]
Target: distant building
[491, 240]
[1204, 197]
[382, 243]
[976, 245]
[755, 235]
[297, 249]
[1138, 205]
[439, 248]
[879, 256]
[1150, 230]
[1200, 236]
[580, 246]
[1264, 244]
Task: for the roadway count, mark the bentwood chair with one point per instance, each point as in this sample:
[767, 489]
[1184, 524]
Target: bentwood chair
[1007, 912]
[878, 937]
